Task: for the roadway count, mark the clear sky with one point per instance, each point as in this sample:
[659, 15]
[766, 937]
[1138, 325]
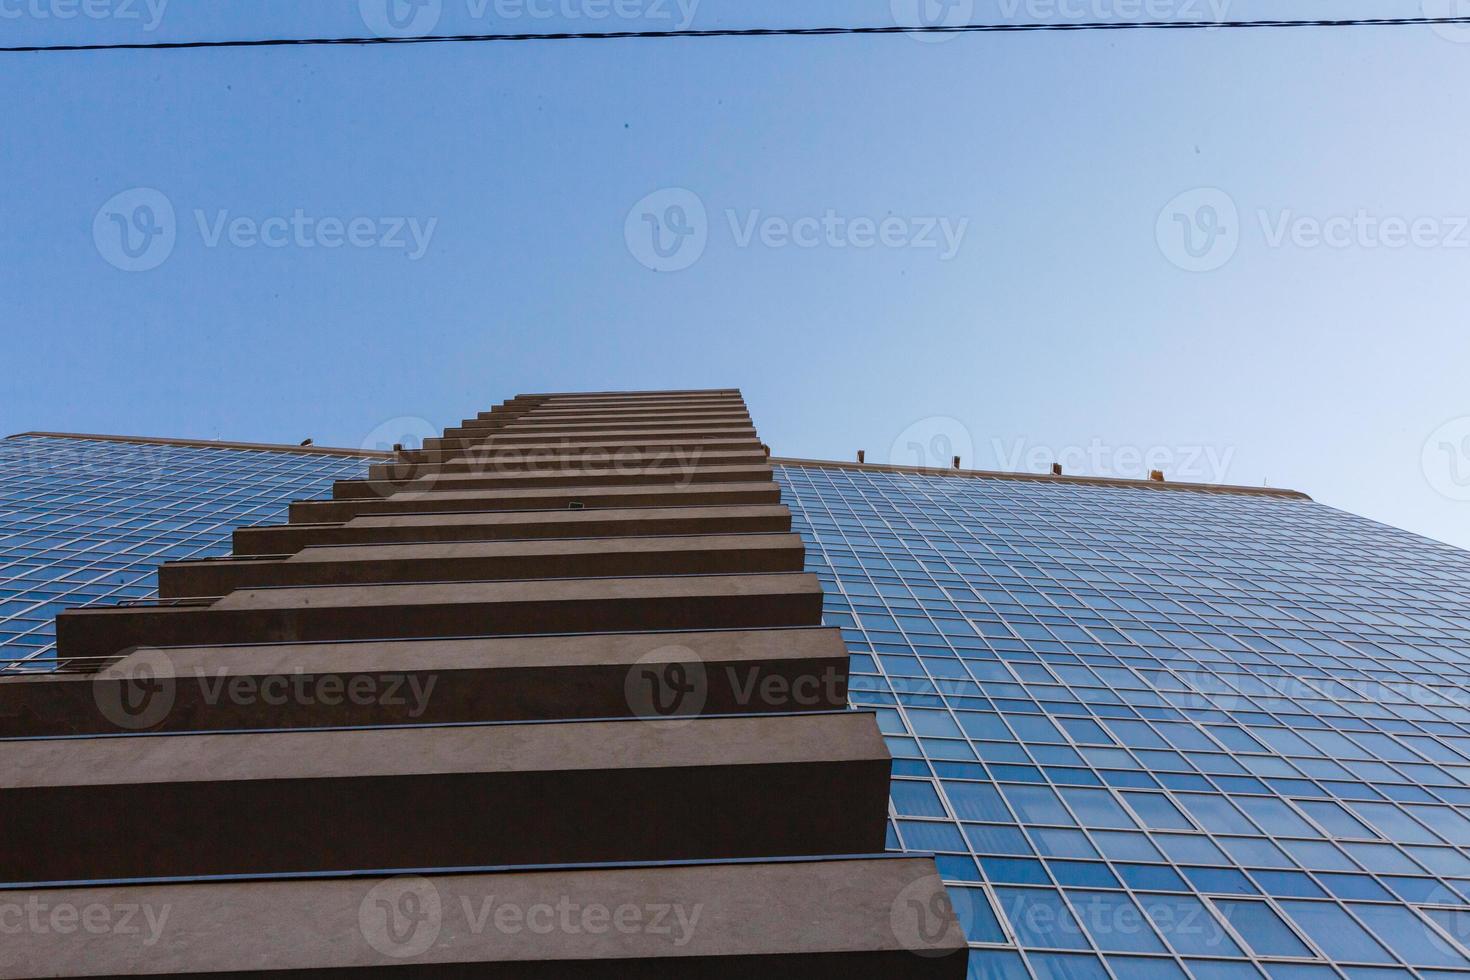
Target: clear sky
[1239, 256]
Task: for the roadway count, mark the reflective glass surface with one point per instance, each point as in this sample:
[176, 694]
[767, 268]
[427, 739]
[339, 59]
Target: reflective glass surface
[87, 521]
[1157, 733]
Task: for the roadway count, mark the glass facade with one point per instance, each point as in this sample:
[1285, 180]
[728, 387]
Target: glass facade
[1156, 733]
[87, 521]
[1149, 733]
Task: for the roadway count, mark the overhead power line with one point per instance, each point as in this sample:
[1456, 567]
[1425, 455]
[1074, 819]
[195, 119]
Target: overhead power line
[1170, 25]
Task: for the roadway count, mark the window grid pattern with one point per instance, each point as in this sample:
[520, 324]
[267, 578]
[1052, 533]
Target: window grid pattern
[1158, 733]
[87, 521]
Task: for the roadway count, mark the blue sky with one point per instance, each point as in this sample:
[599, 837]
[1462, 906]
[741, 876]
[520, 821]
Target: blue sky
[1240, 256]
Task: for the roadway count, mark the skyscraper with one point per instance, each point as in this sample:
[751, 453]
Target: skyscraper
[1148, 730]
[550, 696]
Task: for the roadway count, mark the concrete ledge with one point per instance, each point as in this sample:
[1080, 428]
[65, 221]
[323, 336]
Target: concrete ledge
[616, 398]
[439, 561]
[554, 461]
[449, 609]
[455, 796]
[537, 498]
[818, 920]
[287, 539]
[583, 444]
[680, 425]
[481, 427]
[525, 432]
[1081, 481]
[302, 685]
[460, 476]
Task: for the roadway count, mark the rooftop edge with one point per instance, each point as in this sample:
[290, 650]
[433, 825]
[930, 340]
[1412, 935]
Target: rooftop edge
[1092, 481]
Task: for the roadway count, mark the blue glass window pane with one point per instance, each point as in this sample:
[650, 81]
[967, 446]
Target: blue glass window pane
[915, 799]
[1057, 842]
[1336, 819]
[996, 839]
[1038, 918]
[1145, 968]
[1339, 936]
[1216, 814]
[1409, 936]
[923, 835]
[1015, 871]
[1114, 922]
[1093, 874]
[1354, 886]
[1418, 889]
[1037, 804]
[1097, 808]
[955, 867]
[975, 801]
[1298, 971]
[1151, 876]
[1188, 926]
[1377, 973]
[975, 915]
[1190, 848]
[1288, 884]
[1066, 966]
[1261, 928]
[1455, 922]
[1222, 970]
[1157, 812]
[1119, 846]
[1226, 881]
[989, 964]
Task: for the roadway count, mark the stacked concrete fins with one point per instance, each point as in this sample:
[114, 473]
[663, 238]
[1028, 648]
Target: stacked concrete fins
[549, 697]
